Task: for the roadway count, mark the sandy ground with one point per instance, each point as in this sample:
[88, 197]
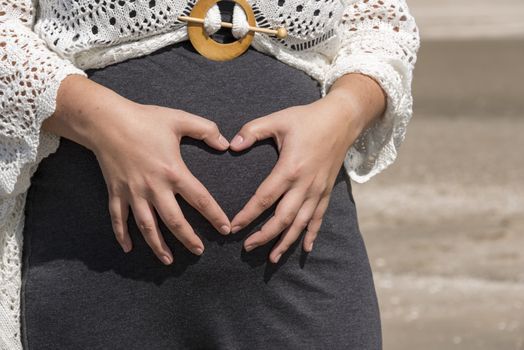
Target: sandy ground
[454, 19]
[444, 225]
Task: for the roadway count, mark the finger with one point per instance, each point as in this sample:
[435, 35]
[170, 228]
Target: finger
[199, 198]
[285, 214]
[147, 224]
[265, 196]
[315, 223]
[119, 210]
[253, 131]
[171, 214]
[203, 129]
[293, 232]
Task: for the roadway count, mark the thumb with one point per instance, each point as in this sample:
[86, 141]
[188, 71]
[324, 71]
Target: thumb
[253, 131]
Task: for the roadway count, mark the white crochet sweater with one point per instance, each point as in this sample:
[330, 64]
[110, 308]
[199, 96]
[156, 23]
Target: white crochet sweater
[41, 42]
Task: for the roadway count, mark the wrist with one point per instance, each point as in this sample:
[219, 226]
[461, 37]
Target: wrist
[359, 97]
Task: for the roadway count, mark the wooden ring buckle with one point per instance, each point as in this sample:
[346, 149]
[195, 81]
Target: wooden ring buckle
[214, 50]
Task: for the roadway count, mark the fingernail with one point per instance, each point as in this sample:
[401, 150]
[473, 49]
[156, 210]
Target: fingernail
[166, 259]
[278, 257]
[223, 141]
[235, 229]
[225, 229]
[310, 248]
[126, 247]
[198, 251]
[237, 140]
[249, 247]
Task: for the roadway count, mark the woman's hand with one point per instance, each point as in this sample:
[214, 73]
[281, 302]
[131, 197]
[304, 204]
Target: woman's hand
[138, 148]
[312, 140]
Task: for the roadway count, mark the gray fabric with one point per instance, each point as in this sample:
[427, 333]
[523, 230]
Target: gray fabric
[80, 291]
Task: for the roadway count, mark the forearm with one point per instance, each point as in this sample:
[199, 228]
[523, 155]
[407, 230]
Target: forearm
[359, 98]
[79, 104]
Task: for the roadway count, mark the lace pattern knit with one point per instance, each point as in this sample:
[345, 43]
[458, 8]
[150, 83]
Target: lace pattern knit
[41, 42]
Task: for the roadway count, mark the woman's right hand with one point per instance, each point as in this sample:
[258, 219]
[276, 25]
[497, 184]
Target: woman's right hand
[138, 149]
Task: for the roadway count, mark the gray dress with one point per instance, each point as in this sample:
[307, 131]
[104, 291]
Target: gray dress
[80, 291]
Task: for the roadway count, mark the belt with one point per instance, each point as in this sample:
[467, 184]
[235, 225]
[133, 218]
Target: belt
[201, 25]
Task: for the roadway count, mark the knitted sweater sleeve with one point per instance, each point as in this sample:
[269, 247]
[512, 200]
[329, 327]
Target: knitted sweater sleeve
[378, 38]
[30, 74]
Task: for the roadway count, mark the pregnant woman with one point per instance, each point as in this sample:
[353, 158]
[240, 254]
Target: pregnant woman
[180, 208]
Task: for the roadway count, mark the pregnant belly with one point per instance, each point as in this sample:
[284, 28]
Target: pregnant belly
[67, 201]
[230, 93]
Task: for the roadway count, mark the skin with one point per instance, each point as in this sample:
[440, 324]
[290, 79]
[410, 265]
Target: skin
[312, 140]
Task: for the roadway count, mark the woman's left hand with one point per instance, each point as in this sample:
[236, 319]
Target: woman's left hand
[312, 141]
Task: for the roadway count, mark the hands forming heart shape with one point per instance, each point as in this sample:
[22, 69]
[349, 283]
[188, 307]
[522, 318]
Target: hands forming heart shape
[312, 141]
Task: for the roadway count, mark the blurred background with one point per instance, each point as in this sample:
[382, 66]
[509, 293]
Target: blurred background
[444, 225]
